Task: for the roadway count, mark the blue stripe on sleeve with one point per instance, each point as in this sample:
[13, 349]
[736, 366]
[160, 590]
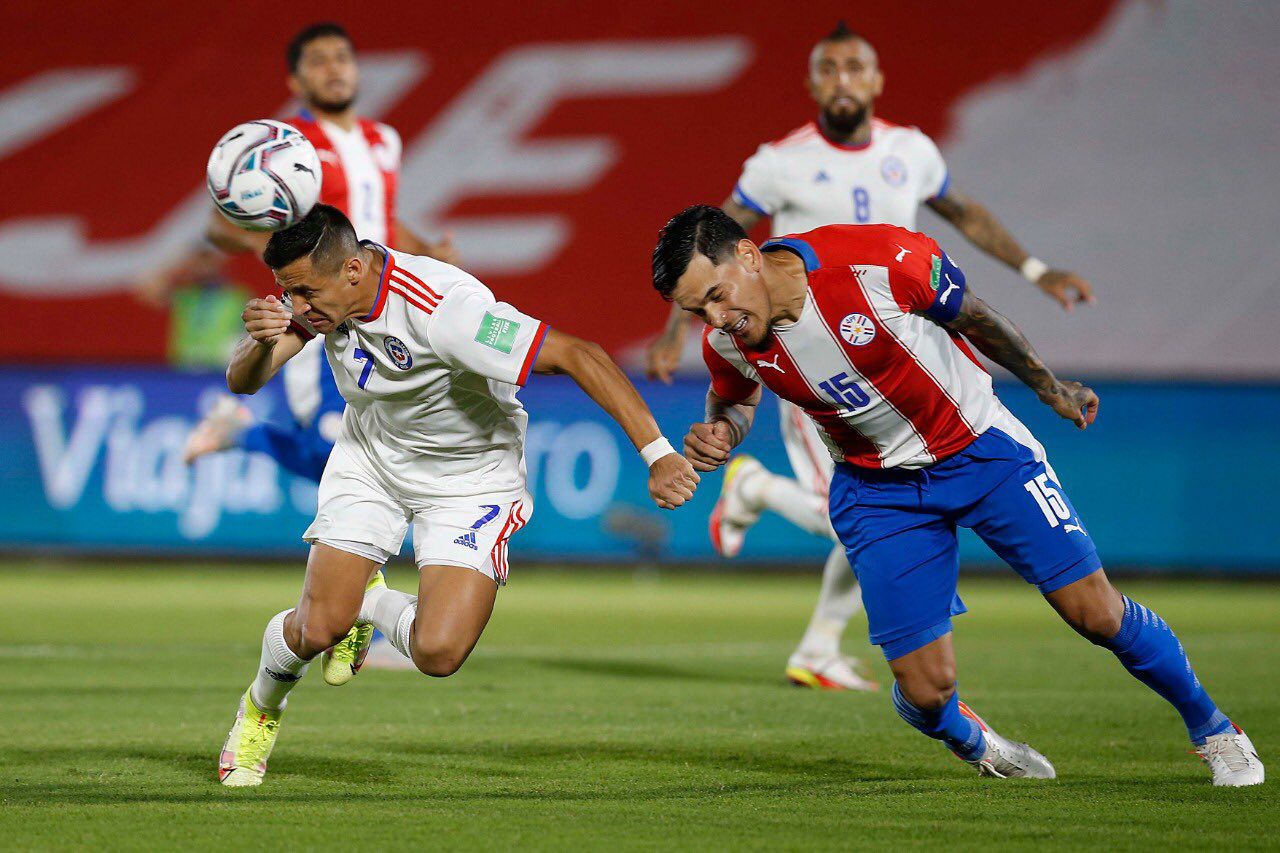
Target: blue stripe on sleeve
[946, 185]
[748, 202]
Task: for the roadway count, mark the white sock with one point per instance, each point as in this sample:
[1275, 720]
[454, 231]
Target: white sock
[278, 670]
[392, 612]
[838, 601]
[798, 505]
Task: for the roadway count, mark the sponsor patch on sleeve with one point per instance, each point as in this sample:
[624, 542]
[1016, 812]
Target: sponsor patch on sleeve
[499, 333]
[935, 272]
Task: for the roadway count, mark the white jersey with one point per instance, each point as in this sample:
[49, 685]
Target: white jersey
[804, 181]
[430, 378]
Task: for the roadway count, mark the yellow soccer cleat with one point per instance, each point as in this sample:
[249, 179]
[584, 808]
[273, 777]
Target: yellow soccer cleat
[243, 762]
[343, 661]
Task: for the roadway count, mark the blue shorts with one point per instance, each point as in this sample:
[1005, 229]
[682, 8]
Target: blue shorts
[899, 529]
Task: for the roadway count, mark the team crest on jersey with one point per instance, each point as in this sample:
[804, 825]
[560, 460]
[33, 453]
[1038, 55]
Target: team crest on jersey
[398, 351]
[894, 171]
[857, 330]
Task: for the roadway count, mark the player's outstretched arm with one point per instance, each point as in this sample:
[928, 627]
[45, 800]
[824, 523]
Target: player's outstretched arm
[269, 345]
[672, 480]
[980, 225]
[1000, 340]
[709, 444]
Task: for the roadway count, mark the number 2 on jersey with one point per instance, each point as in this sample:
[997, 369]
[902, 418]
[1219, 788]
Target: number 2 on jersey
[861, 205]
[361, 355]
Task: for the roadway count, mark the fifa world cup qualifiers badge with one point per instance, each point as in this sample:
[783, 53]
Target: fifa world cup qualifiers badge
[498, 333]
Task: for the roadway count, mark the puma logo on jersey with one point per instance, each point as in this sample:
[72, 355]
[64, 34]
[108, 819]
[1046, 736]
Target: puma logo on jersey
[822, 177]
[774, 364]
[902, 253]
[951, 285]
[1068, 527]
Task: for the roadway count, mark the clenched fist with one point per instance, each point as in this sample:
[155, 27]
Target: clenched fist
[672, 481]
[266, 320]
[708, 446]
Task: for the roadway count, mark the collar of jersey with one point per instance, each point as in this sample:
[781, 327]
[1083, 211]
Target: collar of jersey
[796, 246]
[378, 303]
[842, 146]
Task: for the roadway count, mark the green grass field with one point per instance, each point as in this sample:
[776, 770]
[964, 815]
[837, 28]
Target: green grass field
[601, 710]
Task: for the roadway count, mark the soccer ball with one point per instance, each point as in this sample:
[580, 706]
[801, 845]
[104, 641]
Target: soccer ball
[264, 175]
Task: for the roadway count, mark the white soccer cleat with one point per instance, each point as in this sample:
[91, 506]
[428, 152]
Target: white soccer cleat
[1232, 758]
[733, 516]
[1005, 759]
[219, 430]
[837, 672]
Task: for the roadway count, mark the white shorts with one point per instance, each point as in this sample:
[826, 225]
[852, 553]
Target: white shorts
[806, 451]
[356, 506]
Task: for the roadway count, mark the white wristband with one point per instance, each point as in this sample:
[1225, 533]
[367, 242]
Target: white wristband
[655, 450]
[1032, 269]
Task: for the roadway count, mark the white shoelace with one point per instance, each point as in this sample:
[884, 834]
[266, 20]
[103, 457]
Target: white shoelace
[1229, 751]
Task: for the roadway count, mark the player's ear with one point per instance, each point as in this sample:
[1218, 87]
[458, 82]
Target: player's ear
[749, 255]
[295, 88]
[877, 84]
[354, 269]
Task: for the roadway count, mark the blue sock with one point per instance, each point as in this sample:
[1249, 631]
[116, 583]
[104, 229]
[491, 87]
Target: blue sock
[962, 735]
[1149, 649]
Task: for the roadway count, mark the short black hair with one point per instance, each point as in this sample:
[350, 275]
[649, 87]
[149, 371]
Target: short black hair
[842, 33]
[704, 228]
[293, 54]
[325, 234]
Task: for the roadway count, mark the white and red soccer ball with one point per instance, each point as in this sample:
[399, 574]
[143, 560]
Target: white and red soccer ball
[264, 175]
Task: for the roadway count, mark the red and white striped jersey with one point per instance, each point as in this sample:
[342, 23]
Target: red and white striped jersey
[430, 378]
[360, 170]
[868, 361]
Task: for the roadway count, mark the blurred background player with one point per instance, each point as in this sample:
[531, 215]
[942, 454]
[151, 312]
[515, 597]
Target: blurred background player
[848, 166]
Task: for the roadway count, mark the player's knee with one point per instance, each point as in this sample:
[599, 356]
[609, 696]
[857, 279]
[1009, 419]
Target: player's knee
[1097, 624]
[1095, 613]
[439, 659]
[320, 633]
[928, 688]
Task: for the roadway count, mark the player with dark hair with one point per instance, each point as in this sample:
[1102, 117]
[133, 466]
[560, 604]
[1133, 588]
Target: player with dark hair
[848, 166]
[867, 328]
[360, 164]
[429, 363]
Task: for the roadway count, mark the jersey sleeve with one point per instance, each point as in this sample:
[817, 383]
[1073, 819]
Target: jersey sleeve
[472, 331]
[935, 179]
[760, 187]
[923, 278]
[727, 381]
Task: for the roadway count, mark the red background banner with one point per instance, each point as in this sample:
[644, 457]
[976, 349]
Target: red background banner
[113, 175]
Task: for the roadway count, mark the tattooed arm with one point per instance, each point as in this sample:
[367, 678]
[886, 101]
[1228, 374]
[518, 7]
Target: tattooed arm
[980, 225]
[1000, 340]
[709, 444]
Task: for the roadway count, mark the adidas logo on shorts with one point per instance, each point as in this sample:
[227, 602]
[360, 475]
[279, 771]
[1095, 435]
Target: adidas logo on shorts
[468, 539]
